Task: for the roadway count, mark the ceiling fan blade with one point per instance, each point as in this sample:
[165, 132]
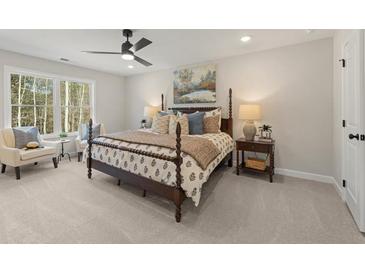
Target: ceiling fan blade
[102, 52]
[141, 44]
[143, 62]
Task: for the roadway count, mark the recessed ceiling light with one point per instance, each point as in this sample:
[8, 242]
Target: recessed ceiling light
[246, 38]
[64, 59]
[130, 66]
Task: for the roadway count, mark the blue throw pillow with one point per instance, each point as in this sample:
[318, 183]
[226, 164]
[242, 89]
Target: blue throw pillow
[196, 121]
[24, 135]
[85, 131]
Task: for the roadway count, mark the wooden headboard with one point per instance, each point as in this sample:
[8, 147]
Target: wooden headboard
[227, 123]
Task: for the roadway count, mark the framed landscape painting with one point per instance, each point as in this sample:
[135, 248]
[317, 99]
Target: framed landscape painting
[195, 85]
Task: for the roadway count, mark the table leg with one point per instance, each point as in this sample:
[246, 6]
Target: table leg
[243, 158]
[271, 166]
[237, 162]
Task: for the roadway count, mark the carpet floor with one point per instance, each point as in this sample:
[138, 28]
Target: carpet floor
[62, 206]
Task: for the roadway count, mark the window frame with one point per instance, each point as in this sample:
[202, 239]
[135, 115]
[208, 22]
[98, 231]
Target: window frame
[56, 78]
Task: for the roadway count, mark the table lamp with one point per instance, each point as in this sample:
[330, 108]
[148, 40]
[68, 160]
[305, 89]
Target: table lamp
[149, 112]
[250, 113]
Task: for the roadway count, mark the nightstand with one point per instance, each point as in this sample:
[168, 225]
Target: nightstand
[255, 146]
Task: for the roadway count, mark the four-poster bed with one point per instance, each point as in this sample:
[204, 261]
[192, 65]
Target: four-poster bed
[174, 192]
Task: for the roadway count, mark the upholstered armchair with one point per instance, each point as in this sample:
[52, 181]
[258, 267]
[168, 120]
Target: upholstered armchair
[15, 157]
[81, 139]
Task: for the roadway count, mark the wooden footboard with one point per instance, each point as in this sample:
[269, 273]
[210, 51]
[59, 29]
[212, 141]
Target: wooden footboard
[175, 194]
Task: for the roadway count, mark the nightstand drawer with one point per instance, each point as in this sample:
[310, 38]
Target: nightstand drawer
[253, 147]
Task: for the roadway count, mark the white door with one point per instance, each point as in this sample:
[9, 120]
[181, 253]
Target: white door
[353, 113]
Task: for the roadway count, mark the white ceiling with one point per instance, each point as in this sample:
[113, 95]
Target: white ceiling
[170, 48]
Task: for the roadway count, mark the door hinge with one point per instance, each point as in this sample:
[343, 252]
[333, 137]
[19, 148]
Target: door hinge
[343, 123]
[344, 183]
[343, 62]
[362, 137]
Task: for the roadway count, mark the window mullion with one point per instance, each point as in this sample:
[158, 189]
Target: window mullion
[57, 107]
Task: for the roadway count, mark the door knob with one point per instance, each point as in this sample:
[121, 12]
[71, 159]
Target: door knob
[352, 136]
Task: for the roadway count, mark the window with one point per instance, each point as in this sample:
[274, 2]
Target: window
[52, 103]
[75, 105]
[32, 102]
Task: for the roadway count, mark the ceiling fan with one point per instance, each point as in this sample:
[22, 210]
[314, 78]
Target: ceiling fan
[128, 49]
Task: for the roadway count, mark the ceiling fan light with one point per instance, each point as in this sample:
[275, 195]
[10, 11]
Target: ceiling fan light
[246, 38]
[128, 56]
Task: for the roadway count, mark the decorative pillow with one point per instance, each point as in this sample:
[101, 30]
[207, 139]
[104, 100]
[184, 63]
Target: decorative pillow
[163, 113]
[184, 123]
[157, 115]
[24, 135]
[160, 124]
[211, 124]
[85, 131]
[196, 123]
[32, 145]
[214, 112]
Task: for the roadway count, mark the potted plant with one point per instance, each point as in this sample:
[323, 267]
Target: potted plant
[63, 135]
[265, 131]
[143, 123]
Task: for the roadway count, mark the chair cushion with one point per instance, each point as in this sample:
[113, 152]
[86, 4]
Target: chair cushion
[24, 135]
[85, 131]
[36, 153]
[83, 144]
[9, 138]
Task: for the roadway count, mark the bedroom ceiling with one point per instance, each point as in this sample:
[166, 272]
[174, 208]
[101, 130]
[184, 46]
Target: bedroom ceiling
[170, 48]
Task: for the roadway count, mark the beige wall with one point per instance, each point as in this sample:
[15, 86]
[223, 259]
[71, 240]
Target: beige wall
[294, 86]
[108, 88]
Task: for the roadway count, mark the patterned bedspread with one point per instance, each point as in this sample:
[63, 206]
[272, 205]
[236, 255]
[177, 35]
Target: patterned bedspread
[193, 176]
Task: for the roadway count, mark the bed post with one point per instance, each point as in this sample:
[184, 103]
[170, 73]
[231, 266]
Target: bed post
[89, 141]
[178, 191]
[230, 126]
[162, 102]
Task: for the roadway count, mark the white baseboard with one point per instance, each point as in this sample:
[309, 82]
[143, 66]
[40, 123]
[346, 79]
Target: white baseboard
[339, 189]
[313, 177]
[305, 175]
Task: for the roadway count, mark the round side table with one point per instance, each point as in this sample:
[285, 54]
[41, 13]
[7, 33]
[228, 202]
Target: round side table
[63, 153]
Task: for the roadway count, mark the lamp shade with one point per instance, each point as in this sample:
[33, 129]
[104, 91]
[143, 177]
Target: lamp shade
[250, 112]
[149, 111]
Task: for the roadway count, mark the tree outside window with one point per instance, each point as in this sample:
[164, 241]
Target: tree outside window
[75, 105]
[33, 103]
